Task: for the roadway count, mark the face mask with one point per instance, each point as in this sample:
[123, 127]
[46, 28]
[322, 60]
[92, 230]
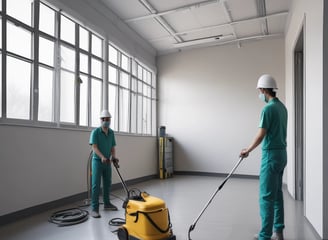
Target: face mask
[105, 124]
[262, 97]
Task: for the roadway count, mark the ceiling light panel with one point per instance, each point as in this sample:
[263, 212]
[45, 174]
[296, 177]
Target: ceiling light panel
[242, 9]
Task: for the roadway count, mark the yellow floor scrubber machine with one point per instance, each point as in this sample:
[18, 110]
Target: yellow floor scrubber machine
[146, 217]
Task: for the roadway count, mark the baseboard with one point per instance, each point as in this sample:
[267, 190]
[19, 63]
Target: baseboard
[12, 217]
[213, 174]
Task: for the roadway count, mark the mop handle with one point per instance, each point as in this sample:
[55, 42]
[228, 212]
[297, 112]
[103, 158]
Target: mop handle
[115, 163]
[217, 190]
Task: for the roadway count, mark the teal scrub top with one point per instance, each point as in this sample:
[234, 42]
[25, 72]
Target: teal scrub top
[103, 141]
[274, 120]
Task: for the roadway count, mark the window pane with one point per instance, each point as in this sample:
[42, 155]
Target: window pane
[84, 101]
[47, 20]
[83, 63]
[146, 90]
[139, 72]
[153, 92]
[134, 85]
[67, 97]
[140, 84]
[46, 51]
[124, 110]
[125, 62]
[153, 120]
[112, 72]
[96, 46]
[95, 102]
[139, 114]
[18, 88]
[153, 81]
[84, 39]
[112, 54]
[146, 116]
[18, 40]
[133, 113]
[124, 81]
[96, 68]
[67, 30]
[112, 104]
[46, 105]
[67, 58]
[148, 77]
[21, 10]
[134, 68]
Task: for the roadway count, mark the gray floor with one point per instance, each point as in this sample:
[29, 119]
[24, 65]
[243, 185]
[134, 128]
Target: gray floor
[232, 215]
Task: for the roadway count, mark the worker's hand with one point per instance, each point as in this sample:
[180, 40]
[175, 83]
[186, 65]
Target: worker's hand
[115, 161]
[104, 160]
[244, 153]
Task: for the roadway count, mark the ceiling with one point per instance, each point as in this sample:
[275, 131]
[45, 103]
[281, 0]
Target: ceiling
[173, 25]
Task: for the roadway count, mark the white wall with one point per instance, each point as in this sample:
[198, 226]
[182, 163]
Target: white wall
[40, 165]
[311, 14]
[209, 103]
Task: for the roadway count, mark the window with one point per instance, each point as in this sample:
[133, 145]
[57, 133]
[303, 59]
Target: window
[18, 88]
[95, 102]
[46, 51]
[47, 20]
[67, 85]
[84, 39]
[84, 86]
[21, 10]
[112, 54]
[67, 30]
[96, 46]
[19, 40]
[60, 81]
[46, 98]
[66, 97]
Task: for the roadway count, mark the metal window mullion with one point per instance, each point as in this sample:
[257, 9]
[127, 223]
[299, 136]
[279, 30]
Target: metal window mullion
[76, 74]
[105, 75]
[4, 60]
[57, 64]
[118, 89]
[142, 101]
[130, 99]
[35, 69]
[151, 103]
[89, 83]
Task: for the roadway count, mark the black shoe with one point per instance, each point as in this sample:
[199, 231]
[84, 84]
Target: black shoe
[95, 214]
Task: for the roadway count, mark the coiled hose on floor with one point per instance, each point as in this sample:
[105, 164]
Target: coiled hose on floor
[73, 216]
[69, 217]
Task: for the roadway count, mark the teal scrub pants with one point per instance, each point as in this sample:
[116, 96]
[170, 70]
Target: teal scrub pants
[99, 170]
[271, 196]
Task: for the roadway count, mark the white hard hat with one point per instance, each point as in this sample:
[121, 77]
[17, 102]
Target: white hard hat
[266, 81]
[105, 114]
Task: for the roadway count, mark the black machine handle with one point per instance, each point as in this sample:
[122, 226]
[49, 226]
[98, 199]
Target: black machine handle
[117, 166]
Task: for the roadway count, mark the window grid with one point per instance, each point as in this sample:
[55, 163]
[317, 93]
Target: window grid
[63, 76]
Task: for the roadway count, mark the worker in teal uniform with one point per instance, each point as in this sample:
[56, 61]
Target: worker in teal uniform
[272, 134]
[102, 140]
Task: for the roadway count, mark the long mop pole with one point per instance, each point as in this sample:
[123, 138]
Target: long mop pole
[192, 227]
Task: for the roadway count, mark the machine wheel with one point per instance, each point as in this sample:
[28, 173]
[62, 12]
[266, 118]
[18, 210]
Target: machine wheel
[122, 233]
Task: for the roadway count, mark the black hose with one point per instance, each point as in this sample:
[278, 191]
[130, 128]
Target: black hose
[116, 222]
[69, 217]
